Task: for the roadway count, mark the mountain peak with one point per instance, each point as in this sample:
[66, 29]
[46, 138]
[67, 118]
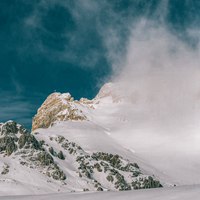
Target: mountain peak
[58, 107]
[110, 90]
[63, 107]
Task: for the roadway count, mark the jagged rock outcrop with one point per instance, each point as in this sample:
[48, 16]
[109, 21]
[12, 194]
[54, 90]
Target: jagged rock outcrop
[8, 136]
[59, 107]
[16, 140]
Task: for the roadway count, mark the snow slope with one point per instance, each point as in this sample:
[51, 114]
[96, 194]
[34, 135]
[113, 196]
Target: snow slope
[175, 193]
[93, 138]
[166, 143]
[90, 161]
[160, 135]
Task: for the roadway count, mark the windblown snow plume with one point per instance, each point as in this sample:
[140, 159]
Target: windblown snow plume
[162, 74]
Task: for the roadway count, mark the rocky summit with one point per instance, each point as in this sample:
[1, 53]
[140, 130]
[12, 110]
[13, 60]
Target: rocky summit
[58, 107]
[63, 107]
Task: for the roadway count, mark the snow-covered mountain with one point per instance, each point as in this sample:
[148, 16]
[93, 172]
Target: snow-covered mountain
[106, 143]
[67, 157]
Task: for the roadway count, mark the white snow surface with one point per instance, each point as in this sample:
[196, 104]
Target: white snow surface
[175, 193]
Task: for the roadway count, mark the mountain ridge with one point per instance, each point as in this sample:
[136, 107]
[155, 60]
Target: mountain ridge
[48, 156]
[73, 144]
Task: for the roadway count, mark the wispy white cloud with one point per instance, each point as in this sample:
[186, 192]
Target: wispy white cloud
[161, 72]
[88, 16]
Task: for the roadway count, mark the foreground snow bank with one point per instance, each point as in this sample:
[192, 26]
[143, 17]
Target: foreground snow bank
[175, 193]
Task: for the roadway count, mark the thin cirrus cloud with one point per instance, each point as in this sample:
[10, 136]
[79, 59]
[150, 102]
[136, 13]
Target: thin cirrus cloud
[15, 107]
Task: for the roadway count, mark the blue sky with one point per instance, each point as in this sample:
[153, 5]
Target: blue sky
[72, 45]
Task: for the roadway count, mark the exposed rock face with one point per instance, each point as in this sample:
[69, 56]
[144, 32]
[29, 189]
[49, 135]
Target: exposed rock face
[16, 140]
[59, 107]
[8, 136]
[11, 127]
